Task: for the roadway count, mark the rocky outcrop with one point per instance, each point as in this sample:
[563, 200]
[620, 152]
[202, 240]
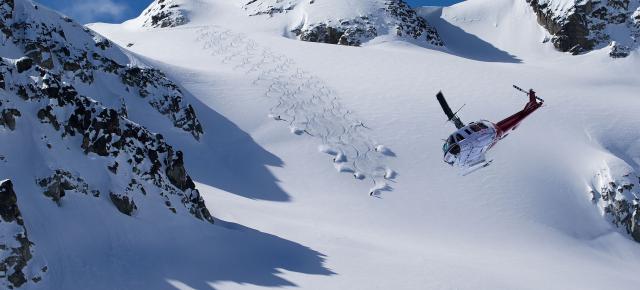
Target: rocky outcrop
[164, 13]
[618, 198]
[8, 117]
[106, 133]
[16, 250]
[164, 96]
[270, 7]
[351, 32]
[387, 17]
[123, 203]
[587, 25]
[66, 48]
[408, 23]
[24, 64]
[56, 185]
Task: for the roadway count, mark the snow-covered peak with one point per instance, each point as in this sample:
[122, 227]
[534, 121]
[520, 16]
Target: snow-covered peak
[348, 22]
[165, 13]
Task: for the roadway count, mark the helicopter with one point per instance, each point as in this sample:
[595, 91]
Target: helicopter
[466, 148]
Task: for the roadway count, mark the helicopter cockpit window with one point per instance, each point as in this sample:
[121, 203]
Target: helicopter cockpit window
[483, 126]
[451, 141]
[451, 146]
[455, 149]
[459, 137]
[475, 127]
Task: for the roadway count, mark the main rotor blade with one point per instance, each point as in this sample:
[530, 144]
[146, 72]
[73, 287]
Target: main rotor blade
[447, 111]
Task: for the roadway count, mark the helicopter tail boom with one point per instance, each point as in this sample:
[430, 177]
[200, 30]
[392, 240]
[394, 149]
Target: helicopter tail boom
[514, 120]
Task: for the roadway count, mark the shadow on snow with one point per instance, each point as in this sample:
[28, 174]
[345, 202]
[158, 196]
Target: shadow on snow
[226, 157]
[463, 44]
[244, 256]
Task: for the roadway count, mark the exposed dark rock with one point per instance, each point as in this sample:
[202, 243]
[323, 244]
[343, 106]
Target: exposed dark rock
[46, 116]
[16, 251]
[113, 168]
[270, 7]
[87, 55]
[152, 82]
[24, 64]
[395, 16]
[410, 24]
[123, 203]
[56, 185]
[164, 13]
[9, 211]
[177, 173]
[107, 133]
[349, 32]
[8, 118]
[619, 201]
[585, 26]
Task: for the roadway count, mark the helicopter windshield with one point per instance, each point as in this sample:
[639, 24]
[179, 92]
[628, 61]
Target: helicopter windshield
[451, 146]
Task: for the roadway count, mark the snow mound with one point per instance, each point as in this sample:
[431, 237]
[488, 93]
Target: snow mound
[165, 13]
[349, 22]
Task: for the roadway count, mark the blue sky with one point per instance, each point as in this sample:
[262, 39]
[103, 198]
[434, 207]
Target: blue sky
[116, 11]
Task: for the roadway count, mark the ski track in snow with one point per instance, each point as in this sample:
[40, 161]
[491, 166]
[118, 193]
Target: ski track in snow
[306, 103]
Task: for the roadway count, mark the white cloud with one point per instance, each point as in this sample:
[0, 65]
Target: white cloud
[96, 10]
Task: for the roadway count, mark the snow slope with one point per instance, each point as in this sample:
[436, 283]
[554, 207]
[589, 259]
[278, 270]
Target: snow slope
[287, 217]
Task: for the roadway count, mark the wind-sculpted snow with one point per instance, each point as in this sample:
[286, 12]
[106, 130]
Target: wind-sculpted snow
[306, 104]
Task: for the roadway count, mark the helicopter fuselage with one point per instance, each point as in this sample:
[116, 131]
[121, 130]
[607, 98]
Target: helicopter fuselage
[467, 146]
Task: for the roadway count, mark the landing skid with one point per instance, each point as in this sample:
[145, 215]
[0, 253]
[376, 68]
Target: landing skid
[475, 168]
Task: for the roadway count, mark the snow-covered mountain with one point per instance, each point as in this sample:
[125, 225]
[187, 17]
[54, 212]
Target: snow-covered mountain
[345, 22]
[348, 22]
[321, 163]
[581, 26]
[67, 131]
[165, 13]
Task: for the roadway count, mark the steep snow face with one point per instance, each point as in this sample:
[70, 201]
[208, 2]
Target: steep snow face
[165, 13]
[87, 60]
[136, 161]
[348, 22]
[581, 26]
[69, 103]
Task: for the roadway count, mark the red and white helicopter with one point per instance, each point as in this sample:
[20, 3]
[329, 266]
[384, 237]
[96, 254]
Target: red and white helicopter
[466, 148]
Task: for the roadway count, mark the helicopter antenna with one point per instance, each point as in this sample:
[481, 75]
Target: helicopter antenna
[447, 111]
